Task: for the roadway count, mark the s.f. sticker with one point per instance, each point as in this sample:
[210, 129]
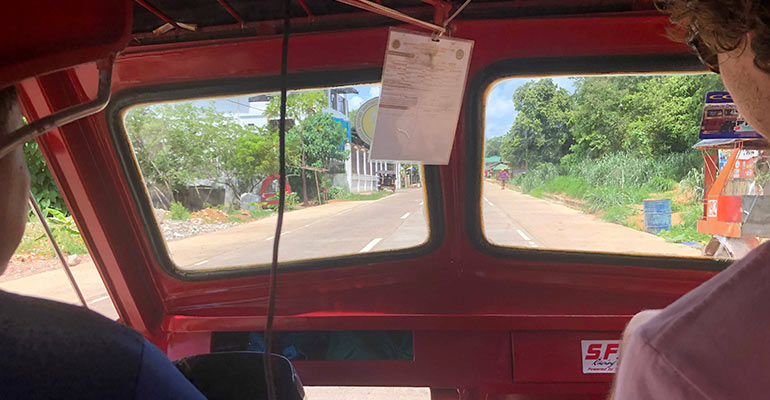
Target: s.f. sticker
[600, 356]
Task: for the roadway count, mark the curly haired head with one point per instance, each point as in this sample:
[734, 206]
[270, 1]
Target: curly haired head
[723, 24]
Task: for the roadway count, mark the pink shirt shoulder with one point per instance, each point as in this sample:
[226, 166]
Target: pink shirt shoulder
[712, 343]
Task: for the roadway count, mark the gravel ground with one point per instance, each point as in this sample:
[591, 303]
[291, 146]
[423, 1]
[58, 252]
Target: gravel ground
[175, 230]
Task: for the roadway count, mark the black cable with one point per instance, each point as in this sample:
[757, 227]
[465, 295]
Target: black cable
[268, 359]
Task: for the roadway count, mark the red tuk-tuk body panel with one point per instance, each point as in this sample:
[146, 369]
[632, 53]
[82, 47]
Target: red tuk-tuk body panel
[486, 323]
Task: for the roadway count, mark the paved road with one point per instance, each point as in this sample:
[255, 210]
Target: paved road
[393, 222]
[514, 219]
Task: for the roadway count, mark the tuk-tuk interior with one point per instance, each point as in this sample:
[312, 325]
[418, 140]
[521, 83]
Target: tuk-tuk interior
[471, 319]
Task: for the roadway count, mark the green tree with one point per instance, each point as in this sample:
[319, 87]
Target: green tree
[42, 184]
[493, 146]
[177, 144]
[299, 105]
[645, 115]
[324, 139]
[541, 130]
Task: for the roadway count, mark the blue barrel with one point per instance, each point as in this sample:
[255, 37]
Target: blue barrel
[657, 215]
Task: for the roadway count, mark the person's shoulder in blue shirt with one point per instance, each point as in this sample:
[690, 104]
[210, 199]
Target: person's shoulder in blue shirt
[52, 350]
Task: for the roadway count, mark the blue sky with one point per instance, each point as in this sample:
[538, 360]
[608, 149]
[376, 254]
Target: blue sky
[500, 113]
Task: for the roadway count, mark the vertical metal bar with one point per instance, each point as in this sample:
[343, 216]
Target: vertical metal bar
[158, 13]
[232, 12]
[56, 248]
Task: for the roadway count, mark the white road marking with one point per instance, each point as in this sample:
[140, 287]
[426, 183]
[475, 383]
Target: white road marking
[201, 263]
[422, 202]
[405, 216]
[344, 211]
[523, 235]
[98, 299]
[273, 237]
[306, 225]
[533, 244]
[370, 245]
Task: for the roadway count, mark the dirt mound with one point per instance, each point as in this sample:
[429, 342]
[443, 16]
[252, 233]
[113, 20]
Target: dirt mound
[209, 216]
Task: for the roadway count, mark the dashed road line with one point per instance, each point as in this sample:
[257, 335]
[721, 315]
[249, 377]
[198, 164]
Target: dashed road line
[98, 299]
[201, 262]
[270, 238]
[523, 235]
[405, 216]
[533, 244]
[370, 245]
[422, 202]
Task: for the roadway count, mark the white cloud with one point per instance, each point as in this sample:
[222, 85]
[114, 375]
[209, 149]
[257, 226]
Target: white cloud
[374, 91]
[355, 102]
[499, 112]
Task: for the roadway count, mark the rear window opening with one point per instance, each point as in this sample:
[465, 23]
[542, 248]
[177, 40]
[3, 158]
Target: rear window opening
[323, 345]
[606, 164]
[210, 171]
[366, 393]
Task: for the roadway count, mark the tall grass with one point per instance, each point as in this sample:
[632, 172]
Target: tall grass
[626, 169]
[615, 179]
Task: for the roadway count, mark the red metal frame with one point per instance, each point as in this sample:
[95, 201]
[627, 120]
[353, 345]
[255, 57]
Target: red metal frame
[158, 13]
[233, 13]
[485, 325]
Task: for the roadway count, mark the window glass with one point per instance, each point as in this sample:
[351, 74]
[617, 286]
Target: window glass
[210, 170]
[608, 164]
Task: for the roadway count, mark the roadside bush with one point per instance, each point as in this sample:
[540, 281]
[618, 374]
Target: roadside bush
[338, 192]
[179, 212]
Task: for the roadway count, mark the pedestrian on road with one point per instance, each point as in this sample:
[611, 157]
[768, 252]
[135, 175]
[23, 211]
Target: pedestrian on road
[712, 342]
[503, 178]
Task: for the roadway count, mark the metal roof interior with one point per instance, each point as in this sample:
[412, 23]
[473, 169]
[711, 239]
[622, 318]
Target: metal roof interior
[261, 17]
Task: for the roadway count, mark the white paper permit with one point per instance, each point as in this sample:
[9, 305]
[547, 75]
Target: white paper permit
[422, 91]
[600, 356]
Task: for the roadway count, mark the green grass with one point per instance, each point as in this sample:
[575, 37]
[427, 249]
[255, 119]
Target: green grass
[36, 242]
[619, 215]
[536, 193]
[366, 196]
[683, 233]
[569, 185]
[259, 212]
